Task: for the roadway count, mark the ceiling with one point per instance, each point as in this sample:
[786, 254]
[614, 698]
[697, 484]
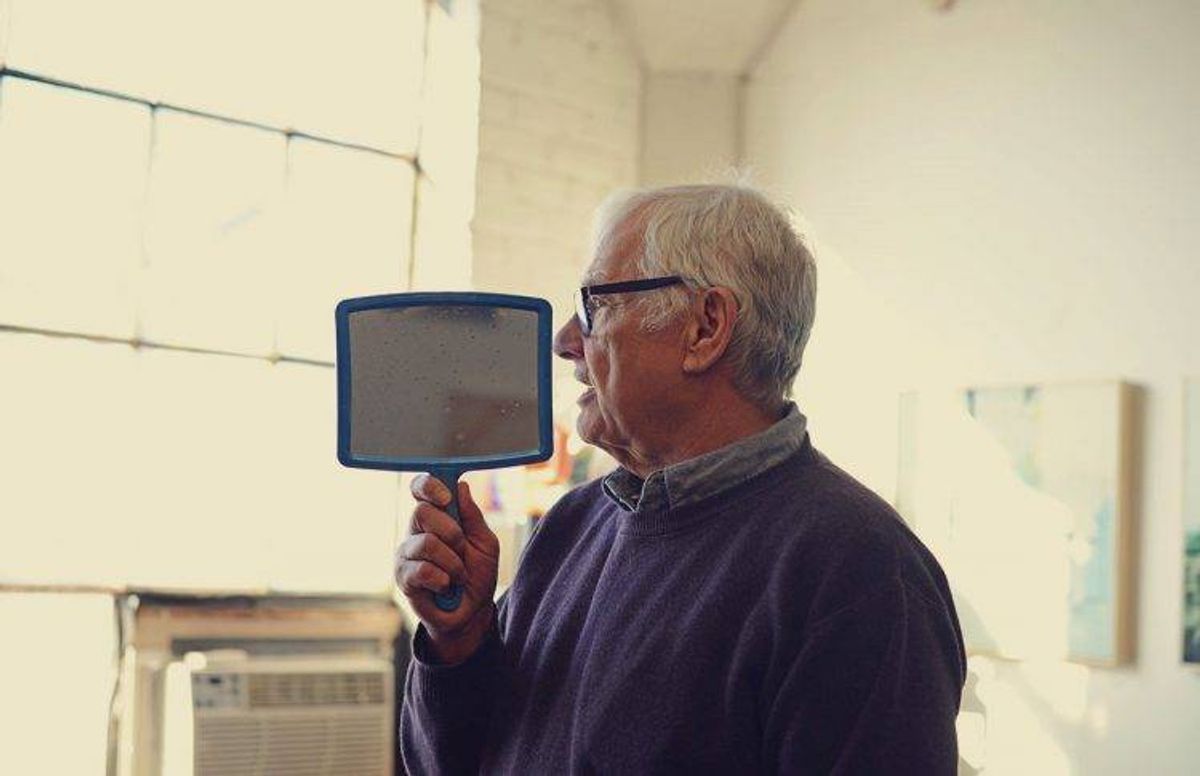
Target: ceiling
[721, 36]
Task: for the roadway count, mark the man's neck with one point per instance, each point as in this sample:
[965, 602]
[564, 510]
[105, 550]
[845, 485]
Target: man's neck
[722, 419]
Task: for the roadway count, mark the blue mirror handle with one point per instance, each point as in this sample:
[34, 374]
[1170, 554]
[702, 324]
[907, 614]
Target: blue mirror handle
[450, 600]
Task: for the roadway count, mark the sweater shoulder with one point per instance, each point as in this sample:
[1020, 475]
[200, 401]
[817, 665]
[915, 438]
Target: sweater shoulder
[587, 501]
[809, 500]
[580, 510]
[839, 540]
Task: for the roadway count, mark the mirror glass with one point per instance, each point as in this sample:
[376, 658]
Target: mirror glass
[443, 382]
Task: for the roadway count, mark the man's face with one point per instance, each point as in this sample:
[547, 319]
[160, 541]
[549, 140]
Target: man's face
[630, 372]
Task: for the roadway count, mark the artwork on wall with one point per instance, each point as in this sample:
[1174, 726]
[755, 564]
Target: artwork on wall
[1025, 495]
[1191, 522]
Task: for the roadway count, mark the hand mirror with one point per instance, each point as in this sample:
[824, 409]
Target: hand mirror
[443, 383]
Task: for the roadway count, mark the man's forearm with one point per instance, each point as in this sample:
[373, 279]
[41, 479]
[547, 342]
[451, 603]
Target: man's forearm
[448, 702]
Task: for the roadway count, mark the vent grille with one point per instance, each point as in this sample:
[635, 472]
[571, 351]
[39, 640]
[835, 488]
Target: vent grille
[342, 744]
[276, 690]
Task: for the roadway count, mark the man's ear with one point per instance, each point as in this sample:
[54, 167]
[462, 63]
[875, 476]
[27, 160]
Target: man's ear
[709, 329]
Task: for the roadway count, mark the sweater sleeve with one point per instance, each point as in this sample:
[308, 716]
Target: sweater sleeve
[873, 689]
[446, 709]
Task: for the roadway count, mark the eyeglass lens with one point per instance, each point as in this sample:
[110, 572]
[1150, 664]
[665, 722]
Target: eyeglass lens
[582, 312]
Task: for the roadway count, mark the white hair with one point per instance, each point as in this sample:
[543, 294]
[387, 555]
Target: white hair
[731, 236]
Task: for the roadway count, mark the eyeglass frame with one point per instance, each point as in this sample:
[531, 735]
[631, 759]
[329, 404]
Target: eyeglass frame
[583, 297]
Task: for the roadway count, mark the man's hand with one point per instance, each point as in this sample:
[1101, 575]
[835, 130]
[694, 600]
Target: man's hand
[439, 552]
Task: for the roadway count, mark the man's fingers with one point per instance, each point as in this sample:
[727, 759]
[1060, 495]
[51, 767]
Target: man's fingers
[431, 490]
[415, 577]
[430, 519]
[473, 524]
[428, 547]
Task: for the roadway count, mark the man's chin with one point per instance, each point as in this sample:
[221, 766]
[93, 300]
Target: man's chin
[584, 430]
[588, 428]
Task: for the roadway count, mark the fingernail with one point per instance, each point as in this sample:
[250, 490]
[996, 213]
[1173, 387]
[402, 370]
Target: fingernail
[439, 490]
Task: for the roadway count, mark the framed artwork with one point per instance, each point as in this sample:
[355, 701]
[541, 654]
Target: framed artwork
[1191, 522]
[1025, 494]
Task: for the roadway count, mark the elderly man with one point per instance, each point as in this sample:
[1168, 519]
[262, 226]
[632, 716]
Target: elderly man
[727, 601]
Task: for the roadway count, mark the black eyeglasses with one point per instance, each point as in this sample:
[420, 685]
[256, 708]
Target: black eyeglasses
[585, 297]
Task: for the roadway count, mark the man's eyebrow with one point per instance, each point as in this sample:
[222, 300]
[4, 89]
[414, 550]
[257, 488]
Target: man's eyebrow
[593, 278]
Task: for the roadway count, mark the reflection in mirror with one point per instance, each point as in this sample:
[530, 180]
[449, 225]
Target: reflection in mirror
[445, 382]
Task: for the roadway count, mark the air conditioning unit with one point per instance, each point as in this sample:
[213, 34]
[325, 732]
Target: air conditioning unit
[228, 713]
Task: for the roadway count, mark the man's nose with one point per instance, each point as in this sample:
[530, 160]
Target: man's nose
[568, 342]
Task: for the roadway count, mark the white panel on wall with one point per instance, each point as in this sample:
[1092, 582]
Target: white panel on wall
[72, 187]
[449, 152]
[5, 28]
[349, 233]
[336, 526]
[212, 234]
[162, 468]
[450, 120]
[233, 58]
[107, 45]
[360, 69]
[442, 250]
[352, 73]
[57, 683]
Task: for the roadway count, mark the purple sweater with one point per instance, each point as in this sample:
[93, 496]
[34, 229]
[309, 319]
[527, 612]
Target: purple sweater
[777, 618]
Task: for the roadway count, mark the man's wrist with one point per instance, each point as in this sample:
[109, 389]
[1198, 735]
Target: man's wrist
[451, 649]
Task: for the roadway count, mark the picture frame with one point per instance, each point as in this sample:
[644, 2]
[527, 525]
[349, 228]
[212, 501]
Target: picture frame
[1026, 494]
[1190, 611]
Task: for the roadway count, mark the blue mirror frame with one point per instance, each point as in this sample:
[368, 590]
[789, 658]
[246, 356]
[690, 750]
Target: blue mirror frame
[445, 468]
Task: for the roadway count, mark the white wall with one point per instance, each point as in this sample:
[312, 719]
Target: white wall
[690, 127]
[1006, 192]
